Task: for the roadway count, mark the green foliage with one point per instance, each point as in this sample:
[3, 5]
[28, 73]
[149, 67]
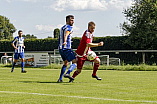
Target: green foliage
[28, 36]
[141, 67]
[48, 44]
[41, 44]
[6, 28]
[110, 43]
[142, 24]
[56, 33]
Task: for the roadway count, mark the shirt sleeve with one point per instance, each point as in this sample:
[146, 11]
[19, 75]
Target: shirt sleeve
[15, 39]
[87, 37]
[69, 29]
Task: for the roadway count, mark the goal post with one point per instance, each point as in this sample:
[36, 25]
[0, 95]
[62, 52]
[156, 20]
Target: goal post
[104, 59]
[114, 61]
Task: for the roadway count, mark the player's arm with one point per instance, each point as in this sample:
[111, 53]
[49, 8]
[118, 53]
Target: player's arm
[13, 45]
[95, 44]
[23, 45]
[65, 37]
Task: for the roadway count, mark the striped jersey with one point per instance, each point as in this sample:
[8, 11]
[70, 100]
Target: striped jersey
[18, 42]
[69, 38]
[83, 49]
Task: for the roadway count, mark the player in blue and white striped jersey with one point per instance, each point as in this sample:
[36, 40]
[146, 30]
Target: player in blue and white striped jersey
[68, 43]
[18, 44]
[65, 50]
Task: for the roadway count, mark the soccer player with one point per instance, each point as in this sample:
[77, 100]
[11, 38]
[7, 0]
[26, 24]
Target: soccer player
[18, 44]
[65, 49]
[82, 50]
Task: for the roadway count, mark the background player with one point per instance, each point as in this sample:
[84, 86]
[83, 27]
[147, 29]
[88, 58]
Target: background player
[65, 49]
[18, 44]
[82, 50]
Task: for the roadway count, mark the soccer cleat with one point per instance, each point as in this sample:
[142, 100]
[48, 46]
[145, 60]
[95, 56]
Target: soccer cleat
[24, 71]
[98, 78]
[12, 70]
[59, 81]
[68, 76]
[71, 80]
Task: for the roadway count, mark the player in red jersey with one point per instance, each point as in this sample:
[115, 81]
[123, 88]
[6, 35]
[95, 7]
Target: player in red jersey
[82, 50]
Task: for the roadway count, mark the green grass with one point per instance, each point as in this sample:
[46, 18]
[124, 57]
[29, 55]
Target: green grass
[141, 67]
[39, 86]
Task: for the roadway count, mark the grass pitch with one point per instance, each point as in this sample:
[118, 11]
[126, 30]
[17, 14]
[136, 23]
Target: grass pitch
[39, 86]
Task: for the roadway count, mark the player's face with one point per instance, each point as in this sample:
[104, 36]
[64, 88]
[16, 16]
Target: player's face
[91, 29]
[71, 21]
[20, 34]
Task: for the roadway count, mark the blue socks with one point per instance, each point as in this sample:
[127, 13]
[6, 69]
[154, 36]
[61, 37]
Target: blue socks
[71, 68]
[62, 71]
[13, 65]
[22, 66]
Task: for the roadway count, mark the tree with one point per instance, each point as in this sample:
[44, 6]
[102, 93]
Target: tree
[28, 36]
[141, 25]
[6, 28]
[56, 33]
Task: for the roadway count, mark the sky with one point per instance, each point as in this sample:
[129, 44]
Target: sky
[41, 17]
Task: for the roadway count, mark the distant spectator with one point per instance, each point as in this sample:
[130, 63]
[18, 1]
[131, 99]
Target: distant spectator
[5, 58]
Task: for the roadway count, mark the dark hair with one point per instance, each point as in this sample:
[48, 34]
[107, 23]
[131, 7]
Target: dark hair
[20, 31]
[91, 24]
[68, 17]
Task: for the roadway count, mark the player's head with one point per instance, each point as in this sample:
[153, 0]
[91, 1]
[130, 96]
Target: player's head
[70, 20]
[91, 27]
[20, 32]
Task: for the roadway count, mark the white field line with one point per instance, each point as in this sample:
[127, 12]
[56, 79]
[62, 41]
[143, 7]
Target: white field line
[80, 97]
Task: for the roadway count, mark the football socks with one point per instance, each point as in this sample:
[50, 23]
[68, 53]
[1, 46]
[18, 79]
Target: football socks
[22, 66]
[71, 68]
[75, 74]
[13, 65]
[95, 68]
[62, 71]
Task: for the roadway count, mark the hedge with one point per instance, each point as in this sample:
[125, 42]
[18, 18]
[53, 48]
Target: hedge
[110, 43]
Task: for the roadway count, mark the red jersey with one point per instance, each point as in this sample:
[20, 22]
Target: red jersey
[82, 48]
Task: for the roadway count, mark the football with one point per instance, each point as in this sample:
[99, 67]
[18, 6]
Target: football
[91, 55]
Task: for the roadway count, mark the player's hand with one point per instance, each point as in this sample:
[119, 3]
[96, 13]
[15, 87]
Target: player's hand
[64, 43]
[101, 44]
[23, 46]
[16, 48]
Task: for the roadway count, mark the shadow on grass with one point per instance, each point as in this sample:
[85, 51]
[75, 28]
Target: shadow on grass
[41, 82]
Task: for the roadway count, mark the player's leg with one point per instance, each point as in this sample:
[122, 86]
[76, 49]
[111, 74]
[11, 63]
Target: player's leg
[80, 62]
[22, 56]
[95, 68]
[64, 67]
[72, 66]
[70, 56]
[16, 56]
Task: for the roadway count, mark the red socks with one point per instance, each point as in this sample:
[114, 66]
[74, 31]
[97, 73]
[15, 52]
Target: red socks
[95, 68]
[75, 74]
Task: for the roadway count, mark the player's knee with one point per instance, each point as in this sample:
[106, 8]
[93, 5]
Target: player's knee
[15, 60]
[74, 61]
[97, 60]
[79, 71]
[66, 63]
[22, 60]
